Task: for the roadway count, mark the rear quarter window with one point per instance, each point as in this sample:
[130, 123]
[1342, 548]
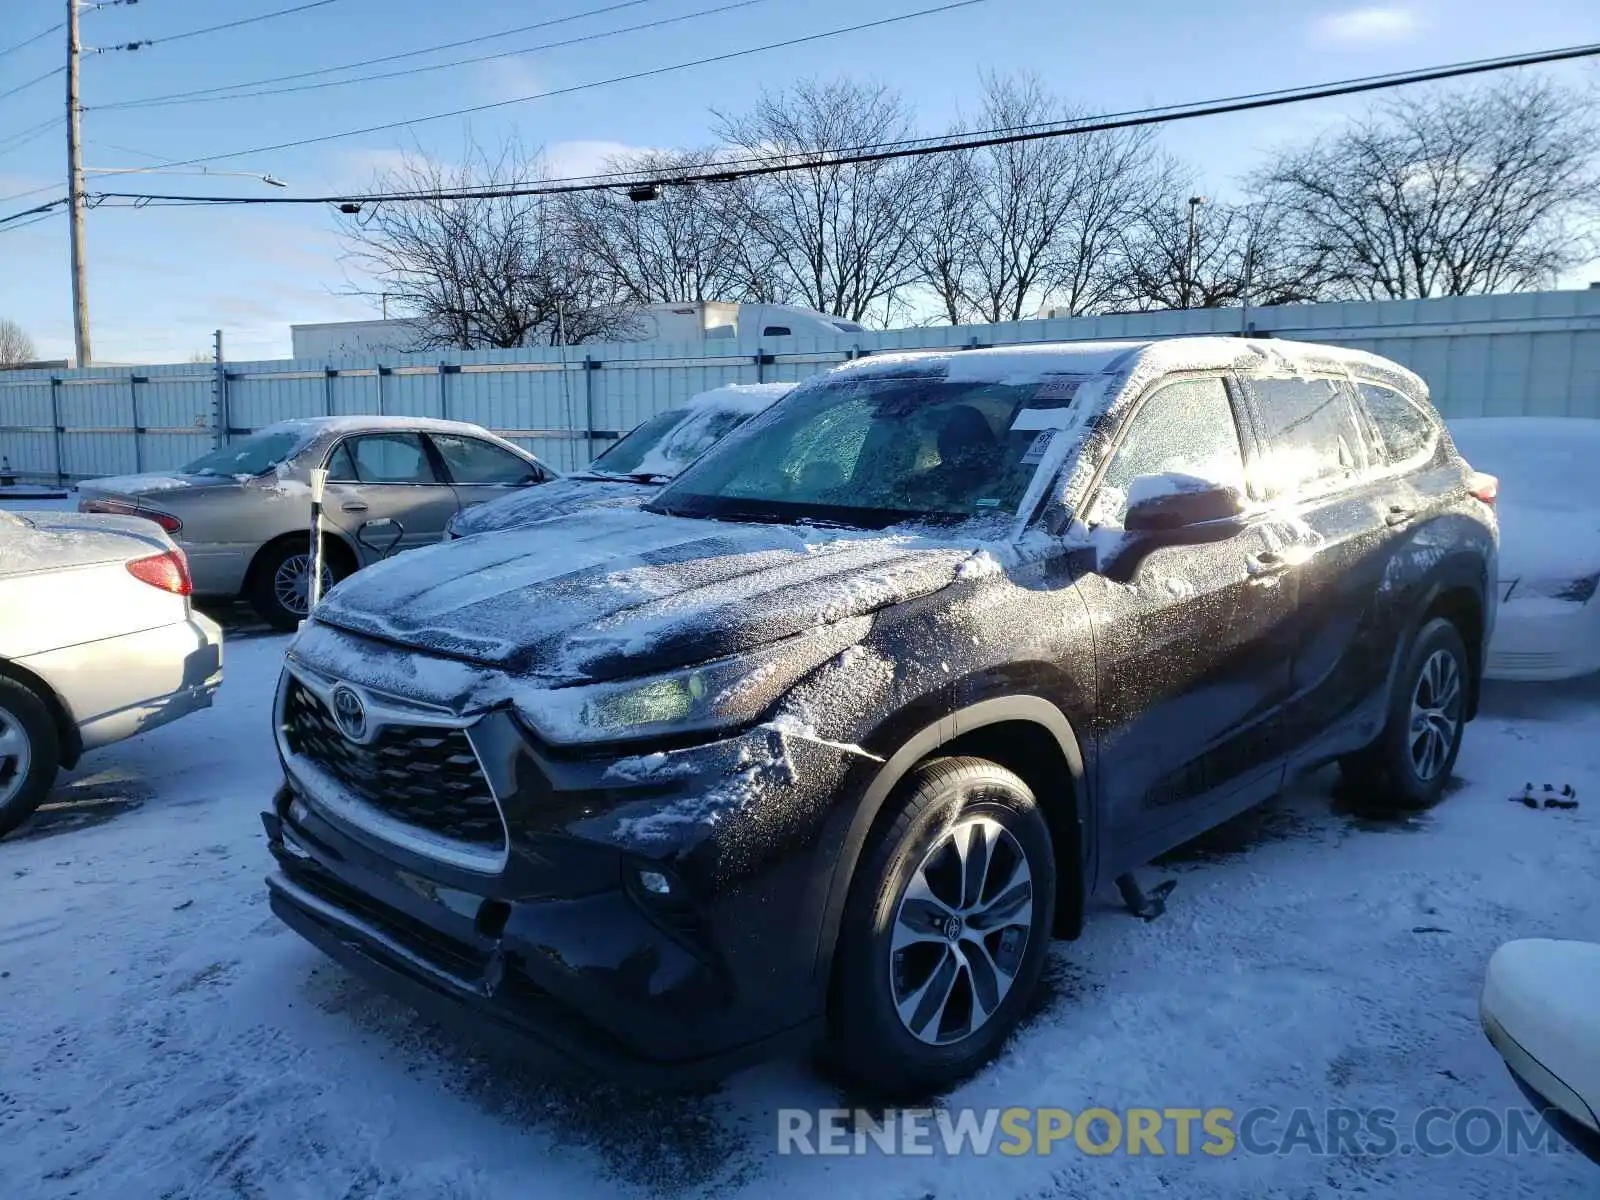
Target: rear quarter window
[1405, 432]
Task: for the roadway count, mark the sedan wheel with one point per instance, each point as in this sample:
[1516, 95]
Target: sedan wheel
[280, 582]
[30, 753]
[291, 583]
[16, 756]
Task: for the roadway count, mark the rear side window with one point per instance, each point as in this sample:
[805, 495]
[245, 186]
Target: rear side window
[1405, 432]
[1184, 428]
[470, 460]
[1313, 437]
[385, 458]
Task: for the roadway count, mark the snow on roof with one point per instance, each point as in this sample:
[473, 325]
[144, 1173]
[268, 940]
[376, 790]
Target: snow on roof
[746, 398]
[1020, 364]
[363, 422]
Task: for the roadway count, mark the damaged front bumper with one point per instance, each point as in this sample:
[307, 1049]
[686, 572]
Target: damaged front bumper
[655, 923]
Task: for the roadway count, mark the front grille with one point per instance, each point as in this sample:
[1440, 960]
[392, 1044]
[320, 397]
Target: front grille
[423, 775]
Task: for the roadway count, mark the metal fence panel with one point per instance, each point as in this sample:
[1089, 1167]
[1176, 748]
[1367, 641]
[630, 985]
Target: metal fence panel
[1536, 353]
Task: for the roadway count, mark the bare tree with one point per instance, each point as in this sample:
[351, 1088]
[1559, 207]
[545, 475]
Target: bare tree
[491, 271]
[1015, 225]
[1184, 252]
[15, 344]
[1445, 194]
[841, 239]
[686, 244]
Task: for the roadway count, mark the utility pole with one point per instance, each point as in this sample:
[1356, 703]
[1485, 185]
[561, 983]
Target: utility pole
[80, 283]
[1188, 267]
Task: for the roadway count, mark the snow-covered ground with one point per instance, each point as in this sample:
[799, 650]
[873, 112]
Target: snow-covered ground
[162, 1036]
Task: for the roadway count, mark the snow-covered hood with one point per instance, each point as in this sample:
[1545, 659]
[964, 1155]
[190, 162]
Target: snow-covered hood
[155, 486]
[558, 498]
[608, 595]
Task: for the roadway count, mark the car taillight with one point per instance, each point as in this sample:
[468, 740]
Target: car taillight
[169, 572]
[118, 509]
[1484, 487]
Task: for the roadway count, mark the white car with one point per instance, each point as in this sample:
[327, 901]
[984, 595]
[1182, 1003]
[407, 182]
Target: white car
[1549, 505]
[97, 643]
[1538, 1010]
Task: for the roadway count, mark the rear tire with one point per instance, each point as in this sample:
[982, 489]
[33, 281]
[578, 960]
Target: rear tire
[279, 582]
[1410, 763]
[945, 932]
[30, 753]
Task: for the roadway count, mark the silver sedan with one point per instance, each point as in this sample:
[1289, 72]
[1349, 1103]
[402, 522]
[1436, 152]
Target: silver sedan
[97, 643]
[242, 513]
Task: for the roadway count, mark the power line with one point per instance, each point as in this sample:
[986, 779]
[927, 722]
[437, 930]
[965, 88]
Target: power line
[267, 16]
[21, 87]
[48, 206]
[459, 62]
[580, 87]
[724, 171]
[20, 139]
[44, 216]
[31, 40]
[149, 101]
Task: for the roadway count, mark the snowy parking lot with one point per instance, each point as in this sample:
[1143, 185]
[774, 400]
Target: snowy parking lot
[161, 1035]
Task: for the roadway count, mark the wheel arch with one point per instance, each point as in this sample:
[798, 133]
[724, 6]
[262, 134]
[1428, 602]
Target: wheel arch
[1025, 734]
[67, 735]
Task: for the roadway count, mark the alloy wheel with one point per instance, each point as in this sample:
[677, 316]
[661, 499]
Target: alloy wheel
[1435, 714]
[16, 755]
[961, 929]
[291, 584]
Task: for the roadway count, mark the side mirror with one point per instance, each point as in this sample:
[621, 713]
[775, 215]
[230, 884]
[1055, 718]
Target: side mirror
[1171, 502]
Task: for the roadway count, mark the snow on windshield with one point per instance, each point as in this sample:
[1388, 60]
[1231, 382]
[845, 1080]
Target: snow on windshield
[670, 441]
[875, 449]
[256, 455]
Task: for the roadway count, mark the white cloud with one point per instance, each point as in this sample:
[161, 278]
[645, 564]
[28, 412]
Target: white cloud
[1366, 26]
[568, 159]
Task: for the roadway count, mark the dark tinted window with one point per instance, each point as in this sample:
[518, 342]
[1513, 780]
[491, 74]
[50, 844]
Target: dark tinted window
[775, 331]
[471, 460]
[1314, 439]
[1184, 428]
[390, 458]
[1404, 430]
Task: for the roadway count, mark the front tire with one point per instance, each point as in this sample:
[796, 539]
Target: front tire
[30, 753]
[1410, 763]
[946, 929]
[280, 581]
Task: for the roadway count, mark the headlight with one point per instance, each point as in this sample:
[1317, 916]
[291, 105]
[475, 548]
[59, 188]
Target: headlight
[715, 695]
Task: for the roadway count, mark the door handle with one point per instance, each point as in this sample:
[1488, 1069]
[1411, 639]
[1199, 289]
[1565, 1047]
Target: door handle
[353, 506]
[1399, 514]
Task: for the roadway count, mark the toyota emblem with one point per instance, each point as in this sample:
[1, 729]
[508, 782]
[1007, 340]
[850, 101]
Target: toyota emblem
[349, 713]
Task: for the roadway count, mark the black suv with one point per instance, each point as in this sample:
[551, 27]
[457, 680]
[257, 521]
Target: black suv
[825, 743]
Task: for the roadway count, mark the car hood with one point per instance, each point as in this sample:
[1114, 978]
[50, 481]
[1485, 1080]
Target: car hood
[608, 595]
[155, 487]
[558, 498]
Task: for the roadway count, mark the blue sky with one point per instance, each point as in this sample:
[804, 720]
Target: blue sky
[162, 280]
